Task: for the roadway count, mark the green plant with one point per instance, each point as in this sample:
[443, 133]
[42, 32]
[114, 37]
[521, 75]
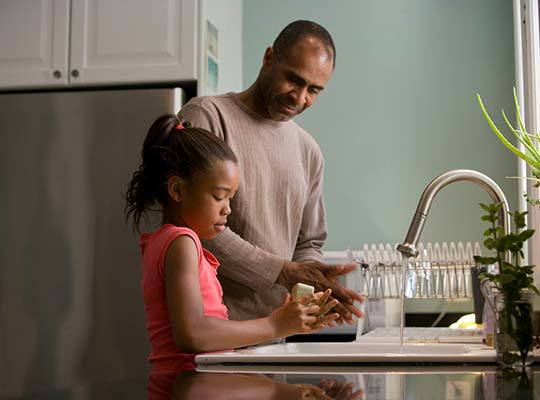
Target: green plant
[512, 277]
[512, 280]
[530, 141]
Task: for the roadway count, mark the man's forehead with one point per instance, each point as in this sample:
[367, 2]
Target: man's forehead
[313, 67]
[310, 45]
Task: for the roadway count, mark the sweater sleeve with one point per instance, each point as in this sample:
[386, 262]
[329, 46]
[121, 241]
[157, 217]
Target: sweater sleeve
[243, 262]
[240, 261]
[313, 231]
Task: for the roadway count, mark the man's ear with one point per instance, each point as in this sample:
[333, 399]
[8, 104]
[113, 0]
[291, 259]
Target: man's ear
[175, 187]
[268, 57]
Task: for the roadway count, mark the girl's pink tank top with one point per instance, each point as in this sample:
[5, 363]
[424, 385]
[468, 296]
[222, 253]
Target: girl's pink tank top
[165, 355]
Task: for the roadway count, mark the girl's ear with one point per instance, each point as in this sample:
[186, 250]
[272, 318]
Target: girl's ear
[175, 188]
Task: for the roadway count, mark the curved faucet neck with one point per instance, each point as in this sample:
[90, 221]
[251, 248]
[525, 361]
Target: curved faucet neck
[408, 247]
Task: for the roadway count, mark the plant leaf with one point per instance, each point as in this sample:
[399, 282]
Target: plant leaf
[501, 137]
[505, 278]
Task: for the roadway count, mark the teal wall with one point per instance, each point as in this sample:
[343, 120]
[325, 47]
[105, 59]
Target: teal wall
[401, 108]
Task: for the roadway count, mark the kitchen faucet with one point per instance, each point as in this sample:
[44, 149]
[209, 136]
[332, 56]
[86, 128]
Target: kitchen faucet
[408, 247]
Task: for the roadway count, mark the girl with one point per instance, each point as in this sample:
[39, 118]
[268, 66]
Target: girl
[191, 175]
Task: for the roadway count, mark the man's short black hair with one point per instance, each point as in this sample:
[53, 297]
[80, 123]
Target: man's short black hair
[301, 29]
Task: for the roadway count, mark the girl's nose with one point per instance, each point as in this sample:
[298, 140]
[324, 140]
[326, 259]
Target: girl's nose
[226, 210]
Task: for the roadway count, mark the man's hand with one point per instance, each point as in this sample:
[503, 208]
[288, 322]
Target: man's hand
[323, 277]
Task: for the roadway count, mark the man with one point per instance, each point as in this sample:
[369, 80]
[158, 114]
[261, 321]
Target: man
[278, 223]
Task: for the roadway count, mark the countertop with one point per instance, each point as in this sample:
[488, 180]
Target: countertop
[302, 382]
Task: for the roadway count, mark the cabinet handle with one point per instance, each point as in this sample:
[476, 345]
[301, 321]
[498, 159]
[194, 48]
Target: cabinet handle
[57, 74]
[75, 73]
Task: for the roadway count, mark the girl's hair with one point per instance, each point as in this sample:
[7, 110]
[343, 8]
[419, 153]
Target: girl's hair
[171, 147]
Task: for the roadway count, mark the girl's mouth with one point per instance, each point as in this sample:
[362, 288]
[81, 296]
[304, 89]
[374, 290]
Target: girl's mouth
[219, 227]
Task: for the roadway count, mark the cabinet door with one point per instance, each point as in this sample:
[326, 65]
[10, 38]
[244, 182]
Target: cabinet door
[135, 41]
[34, 37]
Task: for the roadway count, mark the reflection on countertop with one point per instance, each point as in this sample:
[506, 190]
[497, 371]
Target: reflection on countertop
[221, 386]
[346, 383]
[302, 382]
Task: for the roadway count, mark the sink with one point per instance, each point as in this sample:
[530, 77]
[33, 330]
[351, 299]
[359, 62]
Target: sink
[352, 352]
[361, 348]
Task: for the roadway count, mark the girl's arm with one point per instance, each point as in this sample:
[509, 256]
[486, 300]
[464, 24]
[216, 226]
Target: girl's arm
[194, 332]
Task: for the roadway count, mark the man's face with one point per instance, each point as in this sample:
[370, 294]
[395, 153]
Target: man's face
[292, 83]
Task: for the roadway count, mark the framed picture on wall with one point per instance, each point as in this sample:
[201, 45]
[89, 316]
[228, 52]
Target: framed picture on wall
[212, 63]
[212, 76]
[211, 39]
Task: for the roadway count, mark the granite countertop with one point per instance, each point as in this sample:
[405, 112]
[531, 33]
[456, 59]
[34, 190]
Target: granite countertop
[345, 382]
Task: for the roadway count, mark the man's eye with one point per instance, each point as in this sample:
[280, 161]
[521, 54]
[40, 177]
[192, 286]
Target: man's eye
[295, 80]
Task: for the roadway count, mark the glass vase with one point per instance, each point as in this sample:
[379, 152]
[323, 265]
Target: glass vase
[513, 329]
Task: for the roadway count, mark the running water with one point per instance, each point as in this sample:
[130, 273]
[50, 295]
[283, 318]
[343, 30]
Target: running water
[404, 273]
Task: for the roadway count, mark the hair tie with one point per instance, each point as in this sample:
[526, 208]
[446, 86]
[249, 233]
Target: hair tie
[179, 127]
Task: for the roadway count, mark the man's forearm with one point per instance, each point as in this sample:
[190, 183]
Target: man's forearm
[243, 262]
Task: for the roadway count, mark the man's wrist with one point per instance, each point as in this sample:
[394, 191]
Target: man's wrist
[283, 277]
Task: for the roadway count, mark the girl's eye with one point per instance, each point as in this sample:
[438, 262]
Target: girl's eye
[218, 198]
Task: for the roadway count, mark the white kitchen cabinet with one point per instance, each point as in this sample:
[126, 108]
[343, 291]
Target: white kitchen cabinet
[119, 41]
[34, 43]
[96, 42]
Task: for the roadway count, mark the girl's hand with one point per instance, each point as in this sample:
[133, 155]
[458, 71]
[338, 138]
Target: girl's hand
[295, 316]
[324, 320]
[322, 276]
[303, 315]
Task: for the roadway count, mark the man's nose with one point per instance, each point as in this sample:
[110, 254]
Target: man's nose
[299, 96]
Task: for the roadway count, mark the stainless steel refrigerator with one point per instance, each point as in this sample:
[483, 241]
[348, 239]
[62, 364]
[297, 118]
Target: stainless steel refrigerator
[71, 309]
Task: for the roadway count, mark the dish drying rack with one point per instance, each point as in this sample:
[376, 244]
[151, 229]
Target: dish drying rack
[440, 271]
